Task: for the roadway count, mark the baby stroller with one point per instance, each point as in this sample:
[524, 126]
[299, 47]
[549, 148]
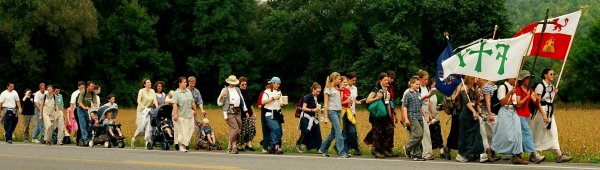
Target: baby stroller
[100, 134]
[203, 143]
[161, 123]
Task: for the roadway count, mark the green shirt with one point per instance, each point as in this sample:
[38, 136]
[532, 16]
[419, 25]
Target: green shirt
[184, 100]
[86, 98]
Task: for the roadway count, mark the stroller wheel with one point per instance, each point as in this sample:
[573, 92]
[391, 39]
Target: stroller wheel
[165, 146]
[121, 144]
[207, 148]
[176, 146]
[219, 147]
[149, 145]
[107, 144]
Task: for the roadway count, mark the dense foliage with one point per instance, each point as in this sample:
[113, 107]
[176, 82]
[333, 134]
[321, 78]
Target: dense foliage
[118, 43]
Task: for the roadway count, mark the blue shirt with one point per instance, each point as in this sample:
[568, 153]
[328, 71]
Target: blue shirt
[412, 102]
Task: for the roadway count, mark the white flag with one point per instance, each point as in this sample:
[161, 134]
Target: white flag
[490, 59]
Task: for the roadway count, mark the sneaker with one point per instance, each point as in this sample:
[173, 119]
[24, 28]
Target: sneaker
[278, 150]
[298, 149]
[462, 159]
[563, 158]
[418, 159]
[518, 161]
[345, 156]
[264, 151]
[182, 149]
[407, 154]
[36, 141]
[9, 141]
[325, 154]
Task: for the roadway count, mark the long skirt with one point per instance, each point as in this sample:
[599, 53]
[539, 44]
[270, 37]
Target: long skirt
[544, 138]
[381, 135]
[311, 138]
[248, 129]
[452, 140]
[507, 137]
[469, 141]
[184, 129]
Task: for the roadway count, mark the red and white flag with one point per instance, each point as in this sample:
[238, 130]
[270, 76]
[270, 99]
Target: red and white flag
[557, 37]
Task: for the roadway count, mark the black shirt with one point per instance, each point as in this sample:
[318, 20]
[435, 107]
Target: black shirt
[28, 106]
[247, 101]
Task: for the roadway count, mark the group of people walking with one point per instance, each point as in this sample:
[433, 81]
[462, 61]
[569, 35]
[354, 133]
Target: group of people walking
[487, 120]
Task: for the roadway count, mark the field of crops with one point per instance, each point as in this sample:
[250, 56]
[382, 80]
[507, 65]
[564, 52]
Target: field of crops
[577, 127]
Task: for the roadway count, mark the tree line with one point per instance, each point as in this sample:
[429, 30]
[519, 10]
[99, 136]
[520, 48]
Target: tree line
[118, 43]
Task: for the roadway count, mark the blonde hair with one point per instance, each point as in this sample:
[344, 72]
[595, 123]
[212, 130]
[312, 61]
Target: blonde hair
[344, 78]
[469, 80]
[330, 79]
[422, 73]
[191, 78]
[412, 80]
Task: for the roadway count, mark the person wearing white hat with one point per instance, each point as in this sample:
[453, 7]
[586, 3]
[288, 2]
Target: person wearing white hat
[232, 101]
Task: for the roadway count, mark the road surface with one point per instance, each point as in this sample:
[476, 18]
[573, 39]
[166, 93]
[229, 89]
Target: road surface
[37, 156]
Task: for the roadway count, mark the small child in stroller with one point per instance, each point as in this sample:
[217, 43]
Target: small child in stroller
[207, 132]
[109, 121]
[165, 127]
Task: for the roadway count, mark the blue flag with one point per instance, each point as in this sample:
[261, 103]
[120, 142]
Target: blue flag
[448, 85]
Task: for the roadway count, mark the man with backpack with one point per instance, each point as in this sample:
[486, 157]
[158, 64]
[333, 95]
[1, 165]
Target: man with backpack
[85, 101]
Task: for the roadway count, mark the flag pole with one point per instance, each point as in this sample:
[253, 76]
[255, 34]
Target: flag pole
[537, 52]
[562, 68]
[495, 29]
[525, 54]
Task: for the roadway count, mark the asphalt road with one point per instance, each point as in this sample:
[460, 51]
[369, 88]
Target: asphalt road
[37, 156]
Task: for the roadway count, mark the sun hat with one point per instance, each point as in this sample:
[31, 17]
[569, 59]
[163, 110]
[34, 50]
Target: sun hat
[275, 80]
[232, 80]
[205, 120]
[524, 74]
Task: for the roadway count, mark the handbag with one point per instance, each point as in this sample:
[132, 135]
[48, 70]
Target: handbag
[377, 109]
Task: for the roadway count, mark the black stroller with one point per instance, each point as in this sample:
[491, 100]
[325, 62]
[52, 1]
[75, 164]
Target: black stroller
[100, 134]
[161, 124]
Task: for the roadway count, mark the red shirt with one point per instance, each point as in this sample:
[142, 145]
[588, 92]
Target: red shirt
[259, 103]
[523, 111]
[345, 95]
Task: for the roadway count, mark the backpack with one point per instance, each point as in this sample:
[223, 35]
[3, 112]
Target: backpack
[495, 102]
[532, 106]
[299, 107]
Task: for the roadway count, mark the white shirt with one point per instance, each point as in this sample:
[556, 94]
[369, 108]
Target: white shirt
[502, 92]
[549, 91]
[39, 97]
[424, 92]
[112, 105]
[353, 95]
[98, 99]
[274, 105]
[74, 96]
[9, 99]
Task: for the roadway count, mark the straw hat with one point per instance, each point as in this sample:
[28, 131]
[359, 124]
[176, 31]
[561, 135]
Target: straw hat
[232, 80]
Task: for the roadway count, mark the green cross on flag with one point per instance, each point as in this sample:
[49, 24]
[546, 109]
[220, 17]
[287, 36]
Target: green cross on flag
[490, 59]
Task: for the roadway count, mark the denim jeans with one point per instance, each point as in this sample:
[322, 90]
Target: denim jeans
[350, 135]
[336, 132]
[10, 123]
[83, 117]
[275, 131]
[265, 130]
[39, 129]
[528, 145]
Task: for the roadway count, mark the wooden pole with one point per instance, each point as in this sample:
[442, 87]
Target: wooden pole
[495, 29]
[540, 41]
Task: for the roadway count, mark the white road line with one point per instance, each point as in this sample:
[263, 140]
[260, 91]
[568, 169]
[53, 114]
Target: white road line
[320, 157]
